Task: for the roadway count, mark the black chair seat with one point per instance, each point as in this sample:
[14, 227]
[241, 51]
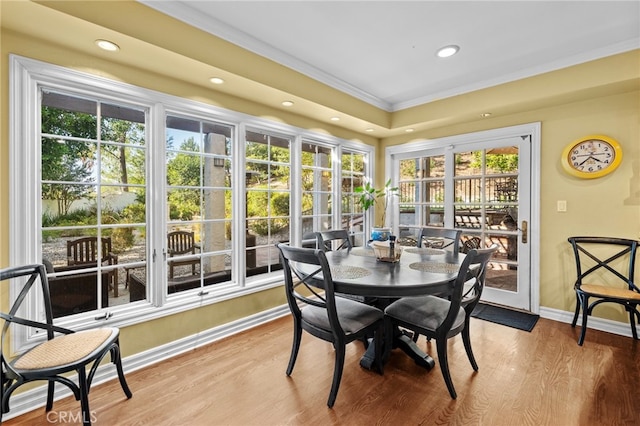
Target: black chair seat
[353, 316]
[427, 312]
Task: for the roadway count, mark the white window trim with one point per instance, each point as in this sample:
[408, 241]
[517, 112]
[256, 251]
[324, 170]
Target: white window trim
[26, 77]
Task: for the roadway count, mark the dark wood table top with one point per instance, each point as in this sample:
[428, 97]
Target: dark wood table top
[420, 271]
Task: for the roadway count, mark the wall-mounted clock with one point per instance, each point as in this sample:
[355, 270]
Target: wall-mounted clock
[591, 157]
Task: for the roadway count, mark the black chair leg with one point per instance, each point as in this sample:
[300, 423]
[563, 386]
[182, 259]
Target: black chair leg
[632, 320]
[585, 314]
[466, 339]
[84, 397]
[50, 390]
[116, 358]
[441, 344]
[337, 374]
[379, 342]
[297, 336]
[577, 311]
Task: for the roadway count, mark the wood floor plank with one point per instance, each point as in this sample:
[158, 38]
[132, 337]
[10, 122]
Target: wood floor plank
[537, 378]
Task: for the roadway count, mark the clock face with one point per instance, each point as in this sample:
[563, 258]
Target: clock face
[592, 157]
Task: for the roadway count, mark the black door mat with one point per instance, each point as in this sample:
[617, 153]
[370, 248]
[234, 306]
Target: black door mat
[510, 318]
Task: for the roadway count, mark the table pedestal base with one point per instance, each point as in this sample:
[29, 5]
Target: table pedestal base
[406, 344]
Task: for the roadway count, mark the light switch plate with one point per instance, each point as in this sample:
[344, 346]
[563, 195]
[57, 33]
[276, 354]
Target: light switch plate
[562, 206]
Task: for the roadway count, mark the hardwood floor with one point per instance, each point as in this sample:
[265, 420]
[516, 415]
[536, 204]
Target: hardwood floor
[537, 378]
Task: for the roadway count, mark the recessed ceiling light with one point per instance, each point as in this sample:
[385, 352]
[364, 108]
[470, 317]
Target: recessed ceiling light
[107, 45]
[335, 118]
[369, 130]
[287, 103]
[485, 114]
[409, 130]
[216, 80]
[445, 52]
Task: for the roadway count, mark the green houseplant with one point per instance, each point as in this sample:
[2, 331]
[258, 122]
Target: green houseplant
[369, 196]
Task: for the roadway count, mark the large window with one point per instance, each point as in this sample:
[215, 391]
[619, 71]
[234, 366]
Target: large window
[317, 188]
[93, 199]
[143, 201]
[268, 197]
[198, 202]
[353, 174]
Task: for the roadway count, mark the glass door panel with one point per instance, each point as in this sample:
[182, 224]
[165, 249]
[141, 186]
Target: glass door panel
[475, 185]
[486, 209]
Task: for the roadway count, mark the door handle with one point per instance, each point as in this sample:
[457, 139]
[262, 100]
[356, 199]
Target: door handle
[525, 227]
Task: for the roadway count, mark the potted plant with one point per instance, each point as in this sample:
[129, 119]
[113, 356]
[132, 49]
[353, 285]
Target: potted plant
[368, 196]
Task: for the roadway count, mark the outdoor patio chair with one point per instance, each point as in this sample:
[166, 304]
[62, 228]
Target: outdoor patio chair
[182, 243]
[83, 253]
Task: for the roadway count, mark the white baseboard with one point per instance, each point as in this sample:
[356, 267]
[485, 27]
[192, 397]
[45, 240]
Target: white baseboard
[29, 400]
[614, 327]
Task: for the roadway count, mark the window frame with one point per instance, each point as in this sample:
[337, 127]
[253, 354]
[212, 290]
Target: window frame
[27, 77]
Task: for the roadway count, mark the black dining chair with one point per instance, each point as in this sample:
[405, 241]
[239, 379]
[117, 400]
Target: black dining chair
[335, 239]
[315, 309]
[442, 238]
[62, 351]
[441, 319]
[339, 239]
[605, 272]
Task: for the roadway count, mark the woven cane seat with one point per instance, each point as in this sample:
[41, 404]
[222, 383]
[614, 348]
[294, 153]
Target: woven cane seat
[66, 349]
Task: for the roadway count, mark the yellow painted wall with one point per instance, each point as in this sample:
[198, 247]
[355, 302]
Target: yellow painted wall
[608, 206]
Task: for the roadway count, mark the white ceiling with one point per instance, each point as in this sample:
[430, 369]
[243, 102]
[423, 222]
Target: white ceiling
[383, 52]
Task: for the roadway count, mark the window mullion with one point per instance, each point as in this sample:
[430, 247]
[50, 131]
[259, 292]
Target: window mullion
[156, 212]
[239, 224]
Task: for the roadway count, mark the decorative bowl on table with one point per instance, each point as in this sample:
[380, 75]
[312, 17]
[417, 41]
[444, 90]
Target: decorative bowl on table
[383, 252]
[380, 234]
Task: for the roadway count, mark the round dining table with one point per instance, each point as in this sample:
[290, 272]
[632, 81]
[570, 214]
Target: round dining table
[418, 272]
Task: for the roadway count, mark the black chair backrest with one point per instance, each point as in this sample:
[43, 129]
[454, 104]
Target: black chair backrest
[341, 236]
[469, 282]
[308, 270]
[597, 254]
[311, 240]
[33, 276]
[450, 237]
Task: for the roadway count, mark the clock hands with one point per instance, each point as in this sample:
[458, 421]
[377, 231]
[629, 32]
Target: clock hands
[590, 157]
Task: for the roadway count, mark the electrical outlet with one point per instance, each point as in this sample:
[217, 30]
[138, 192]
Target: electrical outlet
[562, 206]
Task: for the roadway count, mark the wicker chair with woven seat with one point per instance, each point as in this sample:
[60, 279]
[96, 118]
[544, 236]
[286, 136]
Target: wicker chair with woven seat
[605, 270]
[60, 353]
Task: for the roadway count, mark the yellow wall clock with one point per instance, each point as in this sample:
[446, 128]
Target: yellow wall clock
[592, 157]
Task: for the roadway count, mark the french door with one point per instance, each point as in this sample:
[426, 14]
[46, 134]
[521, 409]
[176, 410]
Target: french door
[480, 184]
